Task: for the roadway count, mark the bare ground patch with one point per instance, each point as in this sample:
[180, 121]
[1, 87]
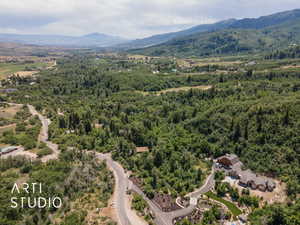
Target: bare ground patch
[9, 112]
[26, 73]
[7, 128]
[186, 88]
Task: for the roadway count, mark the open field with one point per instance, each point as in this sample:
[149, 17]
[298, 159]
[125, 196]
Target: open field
[201, 87]
[23, 69]
[7, 128]
[187, 63]
[9, 112]
[186, 88]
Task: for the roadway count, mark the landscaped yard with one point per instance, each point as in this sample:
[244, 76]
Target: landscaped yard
[233, 209]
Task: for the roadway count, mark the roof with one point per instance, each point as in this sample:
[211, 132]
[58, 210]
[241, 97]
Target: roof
[237, 167]
[247, 176]
[243, 217]
[9, 148]
[142, 149]
[260, 181]
[271, 183]
[232, 157]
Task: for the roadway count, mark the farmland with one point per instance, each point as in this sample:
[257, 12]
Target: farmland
[22, 69]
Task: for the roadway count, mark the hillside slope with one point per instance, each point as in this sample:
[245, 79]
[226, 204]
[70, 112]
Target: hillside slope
[242, 36]
[161, 38]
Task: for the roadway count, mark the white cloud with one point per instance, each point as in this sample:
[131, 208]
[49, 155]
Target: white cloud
[129, 18]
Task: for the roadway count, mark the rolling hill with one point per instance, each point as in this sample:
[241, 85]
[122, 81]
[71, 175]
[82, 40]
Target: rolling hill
[240, 36]
[161, 38]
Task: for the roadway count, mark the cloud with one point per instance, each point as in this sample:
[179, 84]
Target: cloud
[128, 18]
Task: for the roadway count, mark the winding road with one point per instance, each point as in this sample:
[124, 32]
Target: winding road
[125, 215]
[161, 218]
[43, 136]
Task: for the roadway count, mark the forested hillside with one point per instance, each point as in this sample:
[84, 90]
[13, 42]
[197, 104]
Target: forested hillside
[247, 23]
[233, 40]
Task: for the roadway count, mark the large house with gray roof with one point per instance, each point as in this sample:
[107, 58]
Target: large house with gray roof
[233, 167]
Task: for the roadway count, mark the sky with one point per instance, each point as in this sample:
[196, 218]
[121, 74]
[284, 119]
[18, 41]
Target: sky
[126, 18]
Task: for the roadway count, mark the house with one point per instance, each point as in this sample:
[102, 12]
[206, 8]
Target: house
[236, 170]
[228, 160]
[8, 90]
[7, 150]
[233, 167]
[271, 185]
[260, 183]
[243, 218]
[247, 179]
[142, 149]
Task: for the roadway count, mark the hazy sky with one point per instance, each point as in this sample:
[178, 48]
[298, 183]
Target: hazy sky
[127, 18]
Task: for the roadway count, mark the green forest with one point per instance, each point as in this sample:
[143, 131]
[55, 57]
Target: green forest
[254, 114]
[71, 177]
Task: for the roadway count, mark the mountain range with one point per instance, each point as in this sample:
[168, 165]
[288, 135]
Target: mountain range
[265, 33]
[230, 36]
[89, 40]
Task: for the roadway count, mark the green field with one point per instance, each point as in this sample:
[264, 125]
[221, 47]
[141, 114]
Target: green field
[233, 209]
[10, 68]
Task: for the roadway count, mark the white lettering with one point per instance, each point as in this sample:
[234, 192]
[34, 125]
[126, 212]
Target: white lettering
[13, 201]
[15, 187]
[54, 204]
[29, 203]
[26, 187]
[39, 202]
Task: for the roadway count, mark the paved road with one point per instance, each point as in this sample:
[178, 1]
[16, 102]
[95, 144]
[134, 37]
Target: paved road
[208, 185]
[161, 218]
[43, 136]
[124, 213]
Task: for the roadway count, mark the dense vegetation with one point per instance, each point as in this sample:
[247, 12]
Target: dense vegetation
[292, 52]
[26, 131]
[70, 177]
[277, 214]
[254, 114]
[242, 36]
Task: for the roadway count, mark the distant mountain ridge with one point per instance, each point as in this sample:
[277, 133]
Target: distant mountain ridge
[89, 40]
[236, 36]
[161, 38]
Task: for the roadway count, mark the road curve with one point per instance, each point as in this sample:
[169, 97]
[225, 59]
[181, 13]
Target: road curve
[43, 136]
[161, 218]
[124, 213]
